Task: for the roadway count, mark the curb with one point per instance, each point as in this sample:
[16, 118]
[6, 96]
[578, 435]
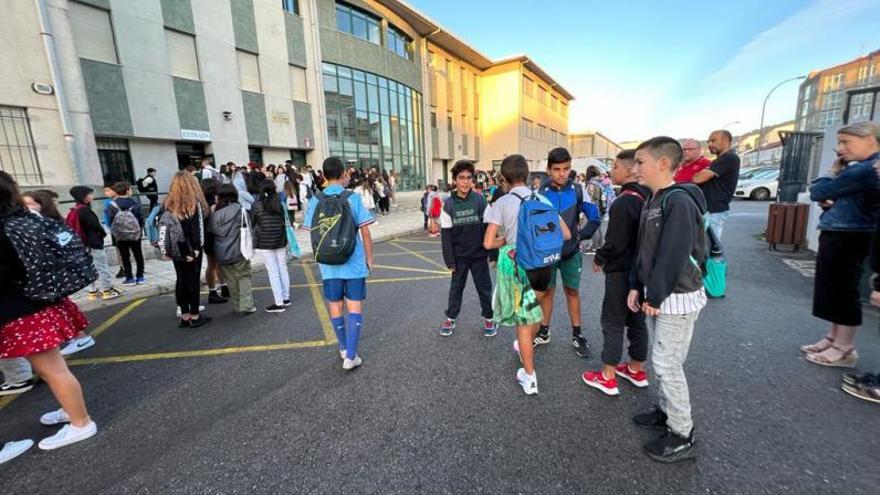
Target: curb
[168, 288]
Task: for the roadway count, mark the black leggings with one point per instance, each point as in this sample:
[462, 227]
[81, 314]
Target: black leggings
[186, 291]
[126, 249]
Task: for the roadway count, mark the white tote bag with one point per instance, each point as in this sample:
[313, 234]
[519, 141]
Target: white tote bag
[247, 236]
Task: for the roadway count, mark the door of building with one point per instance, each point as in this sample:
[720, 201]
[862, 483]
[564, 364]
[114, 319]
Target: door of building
[189, 154]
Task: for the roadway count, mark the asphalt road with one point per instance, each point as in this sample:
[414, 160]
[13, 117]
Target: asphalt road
[260, 404]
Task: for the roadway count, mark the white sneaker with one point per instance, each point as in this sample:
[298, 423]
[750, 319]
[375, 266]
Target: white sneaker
[69, 434]
[77, 345]
[350, 364]
[14, 449]
[528, 383]
[342, 354]
[55, 418]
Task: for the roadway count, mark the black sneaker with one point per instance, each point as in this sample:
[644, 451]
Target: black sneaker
[183, 324]
[671, 447]
[286, 303]
[16, 388]
[200, 321]
[543, 336]
[581, 347]
[224, 291]
[214, 298]
[275, 308]
[654, 419]
[853, 379]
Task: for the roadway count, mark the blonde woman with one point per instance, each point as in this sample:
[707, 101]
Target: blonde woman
[850, 199]
[187, 204]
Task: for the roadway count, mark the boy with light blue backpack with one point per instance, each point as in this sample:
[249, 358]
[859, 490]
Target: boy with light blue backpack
[527, 229]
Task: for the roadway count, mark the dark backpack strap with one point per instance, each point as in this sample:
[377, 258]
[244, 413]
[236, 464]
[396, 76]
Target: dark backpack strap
[521, 199]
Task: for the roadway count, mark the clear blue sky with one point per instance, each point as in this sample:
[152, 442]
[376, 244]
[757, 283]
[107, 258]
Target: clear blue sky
[640, 68]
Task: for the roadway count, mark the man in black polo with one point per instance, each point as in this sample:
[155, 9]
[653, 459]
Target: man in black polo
[719, 180]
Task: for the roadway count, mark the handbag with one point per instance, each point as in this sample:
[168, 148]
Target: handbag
[246, 237]
[293, 249]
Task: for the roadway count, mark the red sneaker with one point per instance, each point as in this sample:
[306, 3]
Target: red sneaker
[597, 380]
[637, 378]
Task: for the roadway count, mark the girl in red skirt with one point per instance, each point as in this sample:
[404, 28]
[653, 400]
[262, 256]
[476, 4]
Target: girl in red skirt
[35, 330]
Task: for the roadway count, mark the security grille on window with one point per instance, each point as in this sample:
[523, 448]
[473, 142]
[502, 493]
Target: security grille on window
[92, 33]
[115, 160]
[18, 157]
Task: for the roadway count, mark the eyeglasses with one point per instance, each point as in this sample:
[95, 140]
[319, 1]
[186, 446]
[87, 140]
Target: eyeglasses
[465, 177]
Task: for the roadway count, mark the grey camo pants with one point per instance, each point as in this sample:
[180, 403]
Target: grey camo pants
[671, 341]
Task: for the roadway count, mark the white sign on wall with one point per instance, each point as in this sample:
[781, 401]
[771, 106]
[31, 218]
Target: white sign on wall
[195, 135]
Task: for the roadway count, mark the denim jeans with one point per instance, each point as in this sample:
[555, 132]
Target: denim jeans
[716, 222]
[16, 370]
[105, 276]
[672, 339]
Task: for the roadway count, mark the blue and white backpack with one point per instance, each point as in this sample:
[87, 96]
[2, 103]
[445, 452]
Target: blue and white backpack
[539, 233]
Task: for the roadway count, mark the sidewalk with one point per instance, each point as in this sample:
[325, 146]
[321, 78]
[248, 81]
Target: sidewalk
[404, 219]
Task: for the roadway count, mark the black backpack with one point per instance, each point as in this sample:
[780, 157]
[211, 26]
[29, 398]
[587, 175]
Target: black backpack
[55, 262]
[334, 231]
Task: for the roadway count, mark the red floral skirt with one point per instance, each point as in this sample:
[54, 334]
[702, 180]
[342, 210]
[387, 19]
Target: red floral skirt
[42, 331]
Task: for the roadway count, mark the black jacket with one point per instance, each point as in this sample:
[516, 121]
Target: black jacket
[13, 303]
[875, 258]
[622, 238]
[462, 227]
[93, 231]
[268, 227]
[672, 244]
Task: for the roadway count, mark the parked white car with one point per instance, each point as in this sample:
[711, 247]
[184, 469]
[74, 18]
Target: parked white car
[759, 185]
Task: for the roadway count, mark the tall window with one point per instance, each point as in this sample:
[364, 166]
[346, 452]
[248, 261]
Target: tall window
[542, 95]
[291, 6]
[399, 42]
[92, 33]
[359, 23]
[834, 81]
[528, 128]
[182, 54]
[18, 157]
[375, 121]
[528, 86]
[115, 160]
[249, 72]
[298, 84]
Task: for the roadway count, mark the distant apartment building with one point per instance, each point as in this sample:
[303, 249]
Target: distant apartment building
[103, 89]
[822, 98]
[769, 153]
[593, 144]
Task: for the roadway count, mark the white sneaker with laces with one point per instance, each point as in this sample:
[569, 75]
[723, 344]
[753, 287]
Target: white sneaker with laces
[11, 450]
[342, 354]
[529, 383]
[350, 364]
[78, 344]
[55, 418]
[69, 434]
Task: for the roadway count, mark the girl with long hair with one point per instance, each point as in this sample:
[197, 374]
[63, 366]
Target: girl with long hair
[217, 290]
[270, 240]
[35, 329]
[187, 203]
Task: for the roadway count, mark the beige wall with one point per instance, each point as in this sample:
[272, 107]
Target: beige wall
[500, 112]
[275, 73]
[592, 145]
[24, 60]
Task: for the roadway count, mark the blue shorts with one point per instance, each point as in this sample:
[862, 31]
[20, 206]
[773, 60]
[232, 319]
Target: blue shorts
[353, 289]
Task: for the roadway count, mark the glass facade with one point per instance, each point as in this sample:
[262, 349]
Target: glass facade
[375, 121]
[356, 22]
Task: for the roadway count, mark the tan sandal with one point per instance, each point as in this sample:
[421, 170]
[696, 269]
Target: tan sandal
[847, 359]
[814, 348]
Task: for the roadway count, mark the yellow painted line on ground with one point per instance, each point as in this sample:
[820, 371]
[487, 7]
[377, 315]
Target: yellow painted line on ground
[118, 316]
[202, 353]
[6, 400]
[417, 241]
[405, 279]
[427, 251]
[320, 309]
[418, 255]
[408, 269]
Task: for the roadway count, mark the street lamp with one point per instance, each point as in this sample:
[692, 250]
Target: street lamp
[735, 122]
[764, 107]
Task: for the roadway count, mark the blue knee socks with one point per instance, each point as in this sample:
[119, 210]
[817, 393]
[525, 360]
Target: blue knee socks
[339, 328]
[354, 332]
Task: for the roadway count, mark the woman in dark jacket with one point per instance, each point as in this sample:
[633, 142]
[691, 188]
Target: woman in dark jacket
[270, 240]
[225, 226]
[850, 199]
[34, 330]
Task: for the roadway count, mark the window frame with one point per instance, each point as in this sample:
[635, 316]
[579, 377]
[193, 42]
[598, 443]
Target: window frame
[35, 174]
[369, 19]
[195, 53]
[285, 4]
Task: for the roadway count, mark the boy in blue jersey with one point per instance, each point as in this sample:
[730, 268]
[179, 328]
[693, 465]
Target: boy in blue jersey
[346, 283]
[568, 198]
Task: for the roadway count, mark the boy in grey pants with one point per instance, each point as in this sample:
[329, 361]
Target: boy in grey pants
[667, 285]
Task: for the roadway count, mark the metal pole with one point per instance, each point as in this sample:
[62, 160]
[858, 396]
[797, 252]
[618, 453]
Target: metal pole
[763, 109]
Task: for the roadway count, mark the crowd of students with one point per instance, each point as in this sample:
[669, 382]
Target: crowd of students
[652, 260]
